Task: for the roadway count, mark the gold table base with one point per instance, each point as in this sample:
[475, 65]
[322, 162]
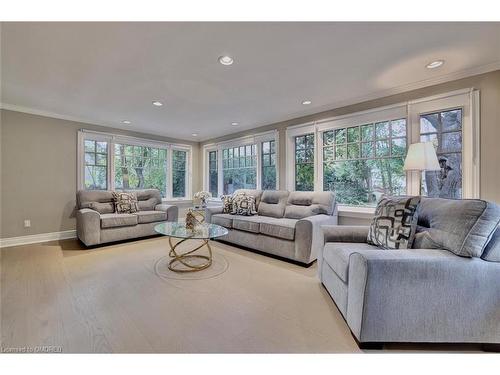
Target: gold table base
[182, 258]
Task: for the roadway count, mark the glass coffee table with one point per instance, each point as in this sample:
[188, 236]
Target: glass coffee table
[188, 261]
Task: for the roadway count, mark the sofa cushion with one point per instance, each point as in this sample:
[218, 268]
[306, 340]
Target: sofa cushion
[224, 220]
[150, 216]
[336, 254]
[302, 204]
[147, 199]
[247, 223]
[280, 228]
[118, 220]
[103, 208]
[463, 226]
[84, 198]
[273, 203]
[491, 252]
[394, 223]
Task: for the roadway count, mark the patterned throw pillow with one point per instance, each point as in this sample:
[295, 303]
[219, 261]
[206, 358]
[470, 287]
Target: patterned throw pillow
[244, 204]
[227, 204]
[395, 222]
[125, 203]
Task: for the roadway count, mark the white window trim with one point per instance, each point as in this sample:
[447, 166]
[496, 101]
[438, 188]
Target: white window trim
[257, 139]
[111, 138]
[468, 99]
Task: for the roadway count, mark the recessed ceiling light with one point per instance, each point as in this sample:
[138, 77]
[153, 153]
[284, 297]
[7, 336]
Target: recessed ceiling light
[234, 123]
[226, 60]
[306, 102]
[194, 134]
[435, 64]
[157, 103]
[126, 122]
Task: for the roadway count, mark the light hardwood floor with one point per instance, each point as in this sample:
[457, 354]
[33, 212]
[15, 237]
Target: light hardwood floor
[109, 299]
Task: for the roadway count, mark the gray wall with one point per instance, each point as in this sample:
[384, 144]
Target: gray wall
[38, 171]
[489, 86]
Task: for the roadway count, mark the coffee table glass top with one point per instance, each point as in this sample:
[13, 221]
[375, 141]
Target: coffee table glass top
[203, 231]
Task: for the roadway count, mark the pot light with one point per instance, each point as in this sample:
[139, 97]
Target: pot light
[157, 103]
[235, 123]
[194, 134]
[226, 60]
[435, 64]
[126, 122]
[306, 102]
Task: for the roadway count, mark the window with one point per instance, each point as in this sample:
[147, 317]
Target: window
[304, 162]
[361, 163]
[115, 162]
[213, 183]
[179, 160]
[96, 165]
[140, 167]
[239, 168]
[269, 165]
[444, 130]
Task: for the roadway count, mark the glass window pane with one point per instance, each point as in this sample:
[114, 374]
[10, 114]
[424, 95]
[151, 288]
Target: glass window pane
[353, 151]
[102, 147]
[304, 177]
[95, 178]
[300, 142]
[382, 130]
[89, 145]
[328, 138]
[398, 128]
[430, 138]
[89, 158]
[340, 152]
[398, 147]
[353, 134]
[328, 153]
[266, 147]
[446, 183]
[451, 120]
[381, 148]
[340, 136]
[273, 146]
[101, 159]
[367, 132]
[367, 150]
[429, 123]
[452, 142]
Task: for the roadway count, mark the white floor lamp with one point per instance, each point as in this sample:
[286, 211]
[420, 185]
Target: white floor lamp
[421, 157]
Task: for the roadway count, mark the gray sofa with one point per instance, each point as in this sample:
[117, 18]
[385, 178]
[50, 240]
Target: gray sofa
[424, 294]
[96, 222]
[287, 224]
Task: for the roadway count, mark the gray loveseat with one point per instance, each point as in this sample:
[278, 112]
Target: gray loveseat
[96, 222]
[287, 224]
[424, 294]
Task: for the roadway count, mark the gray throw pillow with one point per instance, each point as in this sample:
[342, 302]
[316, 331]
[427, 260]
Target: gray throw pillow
[394, 223]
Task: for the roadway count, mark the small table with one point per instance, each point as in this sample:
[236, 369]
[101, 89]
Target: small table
[204, 232]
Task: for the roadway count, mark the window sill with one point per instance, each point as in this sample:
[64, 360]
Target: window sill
[356, 212]
[177, 201]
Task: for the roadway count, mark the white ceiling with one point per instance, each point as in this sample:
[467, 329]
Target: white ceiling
[104, 73]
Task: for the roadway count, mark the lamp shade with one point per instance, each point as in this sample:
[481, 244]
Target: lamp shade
[421, 157]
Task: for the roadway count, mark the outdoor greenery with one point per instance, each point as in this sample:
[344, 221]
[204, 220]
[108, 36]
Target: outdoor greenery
[239, 167]
[139, 167]
[304, 162]
[96, 162]
[213, 179]
[268, 165]
[179, 159]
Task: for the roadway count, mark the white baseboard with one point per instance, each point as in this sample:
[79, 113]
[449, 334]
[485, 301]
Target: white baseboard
[37, 238]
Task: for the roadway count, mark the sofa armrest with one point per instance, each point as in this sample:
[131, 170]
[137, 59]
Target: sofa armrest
[345, 233]
[422, 295]
[88, 226]
[309, 236]
[209, 211]
[171, 210]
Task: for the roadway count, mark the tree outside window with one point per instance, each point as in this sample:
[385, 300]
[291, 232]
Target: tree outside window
[269, 165]
[239, 168]
[179, 160]
[304, 162]
[96, 165]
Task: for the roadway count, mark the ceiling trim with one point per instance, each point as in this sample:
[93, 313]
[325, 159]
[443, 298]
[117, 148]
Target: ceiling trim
[372, 96]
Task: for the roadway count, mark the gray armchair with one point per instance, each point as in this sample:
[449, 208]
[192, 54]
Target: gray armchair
[97, 223]
[420, 294]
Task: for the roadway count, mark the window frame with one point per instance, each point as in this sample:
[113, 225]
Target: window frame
[113, 139]
[256, 139]
[467, 99]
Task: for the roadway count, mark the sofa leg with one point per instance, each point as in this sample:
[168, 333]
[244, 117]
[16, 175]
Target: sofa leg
[371, 345]
[491, 348]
